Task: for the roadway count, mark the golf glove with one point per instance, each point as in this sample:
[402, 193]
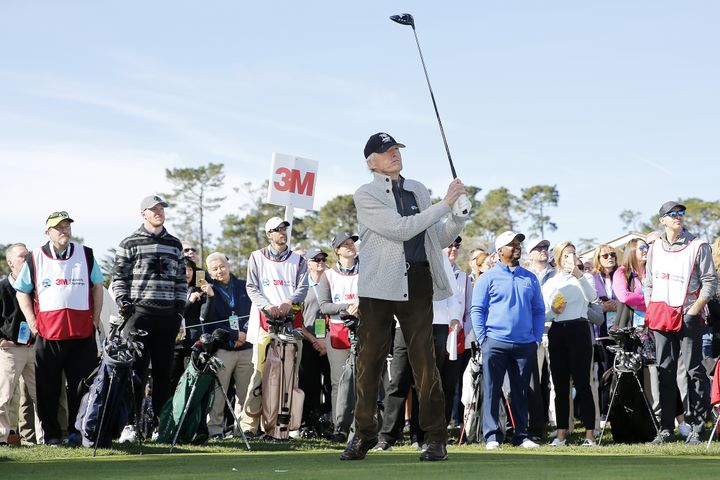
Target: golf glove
[461, 207]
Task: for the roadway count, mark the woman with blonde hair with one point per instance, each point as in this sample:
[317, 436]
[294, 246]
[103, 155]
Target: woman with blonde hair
[567, 296]
[627, 282]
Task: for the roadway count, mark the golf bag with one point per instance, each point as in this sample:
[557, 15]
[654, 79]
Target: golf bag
[472, 398]
[106, 395]
[194, 428]
[187, 409]
[346, 396]
[282, 399]
[106, 407]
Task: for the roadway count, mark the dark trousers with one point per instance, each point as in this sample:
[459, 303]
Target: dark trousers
[570, 348]
[688, 343]
[180, 353]
[517, 360]
[450, 370]
[314, 380]
[77, 358]
[396, 391]
[374, 336]
[159, 346]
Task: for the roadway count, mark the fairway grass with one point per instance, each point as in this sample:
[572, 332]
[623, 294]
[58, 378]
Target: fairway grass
[299, 460]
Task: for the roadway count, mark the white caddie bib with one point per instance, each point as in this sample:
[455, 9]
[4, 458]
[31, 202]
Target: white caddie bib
[62, 284]
[276, 280]
[343, 289]
[671, 272]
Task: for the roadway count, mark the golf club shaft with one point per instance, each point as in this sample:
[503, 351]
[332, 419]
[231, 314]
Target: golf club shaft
[437, 114]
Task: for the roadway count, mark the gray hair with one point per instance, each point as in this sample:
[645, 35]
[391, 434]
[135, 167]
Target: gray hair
[368, 159]
[9, 250]
[216, 256]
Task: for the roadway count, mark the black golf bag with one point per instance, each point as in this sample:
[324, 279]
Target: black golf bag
[630, 416]
[107, 395]
[106, 407]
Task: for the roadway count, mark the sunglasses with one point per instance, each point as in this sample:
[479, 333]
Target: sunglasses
[62, 214]
[675, 213]
[187, 250]
[643, 248]
[278, 229]
[319, 260]
[611, 254]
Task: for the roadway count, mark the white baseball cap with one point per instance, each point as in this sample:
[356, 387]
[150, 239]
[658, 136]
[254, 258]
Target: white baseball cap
[506, 237]
[275, 222]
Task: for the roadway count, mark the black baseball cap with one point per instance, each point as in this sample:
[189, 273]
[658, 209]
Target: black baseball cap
[341, 237]
[380, 143]
[668, 206]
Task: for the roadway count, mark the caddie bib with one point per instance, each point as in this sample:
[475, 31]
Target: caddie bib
[671, 272]
[343, 289]
[63, 305]
[277, 280]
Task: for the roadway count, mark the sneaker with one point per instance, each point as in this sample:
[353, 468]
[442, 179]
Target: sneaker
[74, 440]
[339, 437]
[684, 429]
[527, 443]
[14, 439]
[492, 445]
[662, 437]
[693, 438]
[588, 442]
[217, 436]
[382, 447]
[415, 445]
[358, 448]
[128, 434]
[558, 442]
[155, 435]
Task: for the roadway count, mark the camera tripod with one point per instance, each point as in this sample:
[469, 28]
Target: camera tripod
[211, 366]
[627, 363]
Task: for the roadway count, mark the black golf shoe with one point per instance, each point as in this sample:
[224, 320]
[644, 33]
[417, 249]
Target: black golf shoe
[358, 448]
[435, 451]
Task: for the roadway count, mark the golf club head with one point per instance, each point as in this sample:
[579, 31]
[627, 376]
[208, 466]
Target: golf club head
[404, 19]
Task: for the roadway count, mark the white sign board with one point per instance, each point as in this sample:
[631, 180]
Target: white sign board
[292, 181]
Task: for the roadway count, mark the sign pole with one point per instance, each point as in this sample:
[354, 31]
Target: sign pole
[289, 215]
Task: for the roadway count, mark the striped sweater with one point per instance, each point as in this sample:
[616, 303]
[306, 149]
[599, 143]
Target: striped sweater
[149, 272]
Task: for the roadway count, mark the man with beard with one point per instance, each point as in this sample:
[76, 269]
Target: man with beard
[508, 315]
[60, 294]
[277, 285]
[150, 289]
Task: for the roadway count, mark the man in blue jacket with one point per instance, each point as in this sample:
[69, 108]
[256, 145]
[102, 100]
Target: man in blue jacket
[228, 307]
[508, 315]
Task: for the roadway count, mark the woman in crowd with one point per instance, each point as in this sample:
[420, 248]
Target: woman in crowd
[627, 281]
[190, 329]
[567, 296]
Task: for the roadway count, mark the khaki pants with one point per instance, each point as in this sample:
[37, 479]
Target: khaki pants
[238, 364]
[15, 362]
[337, 359]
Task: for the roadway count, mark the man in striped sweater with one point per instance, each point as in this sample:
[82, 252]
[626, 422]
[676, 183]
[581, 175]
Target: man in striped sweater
[150, 287]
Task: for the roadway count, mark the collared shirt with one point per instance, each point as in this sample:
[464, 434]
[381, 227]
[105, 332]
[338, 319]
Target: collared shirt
[508, 306]
[407, 206]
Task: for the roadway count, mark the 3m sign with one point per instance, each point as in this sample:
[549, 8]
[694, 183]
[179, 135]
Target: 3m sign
[292, 181]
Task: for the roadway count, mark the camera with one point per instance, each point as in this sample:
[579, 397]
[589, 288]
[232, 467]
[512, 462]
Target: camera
[628, 351]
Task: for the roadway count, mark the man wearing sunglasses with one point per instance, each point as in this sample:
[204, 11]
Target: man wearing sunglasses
[59, 290]
[679, 281]
[150, 289]
[277, 285]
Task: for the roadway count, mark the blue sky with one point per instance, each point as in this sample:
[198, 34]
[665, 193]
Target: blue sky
[616, 102]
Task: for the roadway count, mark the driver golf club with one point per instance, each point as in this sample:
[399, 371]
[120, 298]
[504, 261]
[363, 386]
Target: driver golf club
[407, 19]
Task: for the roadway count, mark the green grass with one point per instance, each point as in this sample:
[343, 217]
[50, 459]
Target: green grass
[319, 459]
